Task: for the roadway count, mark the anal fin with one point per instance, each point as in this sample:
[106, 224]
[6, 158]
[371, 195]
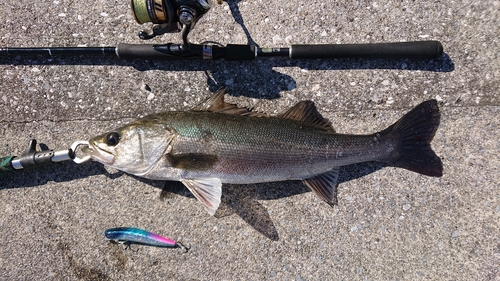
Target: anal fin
[324, 185]
[207, 190]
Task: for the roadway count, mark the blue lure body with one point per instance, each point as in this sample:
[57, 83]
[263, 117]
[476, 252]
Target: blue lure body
[139, 236]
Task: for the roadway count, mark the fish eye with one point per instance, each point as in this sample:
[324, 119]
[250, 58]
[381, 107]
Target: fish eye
[112, 139]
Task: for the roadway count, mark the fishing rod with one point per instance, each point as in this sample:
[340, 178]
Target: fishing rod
[170, 16]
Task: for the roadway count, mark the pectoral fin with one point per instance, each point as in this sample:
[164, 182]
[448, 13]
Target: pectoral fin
[207, 190]
[324, 185]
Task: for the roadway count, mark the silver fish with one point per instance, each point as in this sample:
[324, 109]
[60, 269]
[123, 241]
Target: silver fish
[217, 142]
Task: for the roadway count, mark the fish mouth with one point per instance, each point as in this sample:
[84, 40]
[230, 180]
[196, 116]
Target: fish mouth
[98, 153]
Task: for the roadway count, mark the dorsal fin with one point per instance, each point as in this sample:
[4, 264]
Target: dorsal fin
[306, 112]
[216, 103]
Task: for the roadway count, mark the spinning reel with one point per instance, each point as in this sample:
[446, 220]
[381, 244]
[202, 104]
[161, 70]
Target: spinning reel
[168, 16]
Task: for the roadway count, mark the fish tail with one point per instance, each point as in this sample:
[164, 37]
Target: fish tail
[413, 134]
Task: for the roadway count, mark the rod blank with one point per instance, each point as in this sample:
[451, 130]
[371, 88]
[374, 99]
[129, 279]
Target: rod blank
[58, 51]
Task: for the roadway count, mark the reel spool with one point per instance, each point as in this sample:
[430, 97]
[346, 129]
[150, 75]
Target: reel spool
[168, 16]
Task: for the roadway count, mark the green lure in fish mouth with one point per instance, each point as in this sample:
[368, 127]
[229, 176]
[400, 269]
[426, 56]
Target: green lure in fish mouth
[217, 142]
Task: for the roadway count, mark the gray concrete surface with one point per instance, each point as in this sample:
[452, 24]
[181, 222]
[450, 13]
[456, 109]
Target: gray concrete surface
[389, 224]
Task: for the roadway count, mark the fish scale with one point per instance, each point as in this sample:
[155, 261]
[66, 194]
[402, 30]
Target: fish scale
[288, 146]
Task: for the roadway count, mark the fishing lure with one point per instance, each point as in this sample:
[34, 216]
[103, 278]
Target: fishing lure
[129, 235]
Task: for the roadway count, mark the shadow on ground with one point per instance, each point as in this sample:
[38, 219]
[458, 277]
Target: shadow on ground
[240, 76]
[242, 200]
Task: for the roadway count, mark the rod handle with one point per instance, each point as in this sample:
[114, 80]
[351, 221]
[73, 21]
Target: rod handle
[411, 50]
[155, 52]
[139, 51]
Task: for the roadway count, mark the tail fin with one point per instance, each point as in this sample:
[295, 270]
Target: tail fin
[415, 131]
